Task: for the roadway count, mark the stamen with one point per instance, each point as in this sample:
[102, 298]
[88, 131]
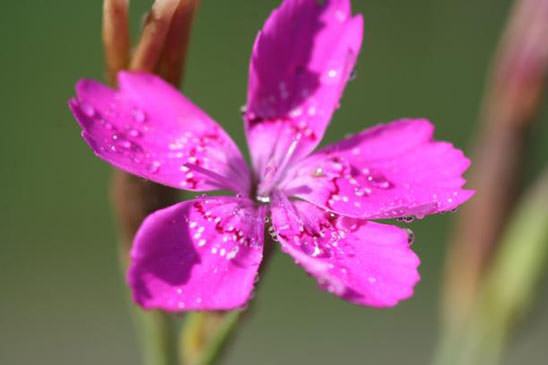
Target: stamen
[221, 181]
[274, 174]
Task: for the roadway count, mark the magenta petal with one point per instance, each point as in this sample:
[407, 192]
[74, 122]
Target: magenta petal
[392, 170]
[149, 129]
[198, 255]
[301, 61]
[364, 262]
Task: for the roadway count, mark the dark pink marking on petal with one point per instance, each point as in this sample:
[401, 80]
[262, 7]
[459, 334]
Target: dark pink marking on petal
[149, 129]
[198, 255]
[364, 262]
[389, 171]
[301, 61]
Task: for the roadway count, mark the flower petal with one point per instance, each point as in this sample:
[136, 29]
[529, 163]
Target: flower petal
[364, 262]
[301, 61]
[149, 129]
[389, 171]
[198, 255]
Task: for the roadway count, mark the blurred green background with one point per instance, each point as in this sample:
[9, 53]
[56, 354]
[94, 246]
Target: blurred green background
[62, 299]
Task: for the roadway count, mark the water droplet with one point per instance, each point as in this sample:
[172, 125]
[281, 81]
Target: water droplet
[379, 181]
[353, 75]
[153, 167]
[138, 115]
[263, 199]
[87, 109]
[316, 251]
[233, 253]
[134, 133]
[125, 144]
[295, 113]
[410, 236]
[318, 172]
[407, 219]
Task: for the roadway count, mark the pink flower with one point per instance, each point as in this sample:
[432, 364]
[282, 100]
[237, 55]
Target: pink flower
[204, 254]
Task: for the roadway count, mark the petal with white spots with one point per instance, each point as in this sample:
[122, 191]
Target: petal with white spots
[364, 262]
[149, 129]
[201, 254]
[389, 171]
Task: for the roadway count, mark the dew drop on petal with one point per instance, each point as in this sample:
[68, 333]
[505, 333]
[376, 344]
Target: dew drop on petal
[233, 253]
[379, 181]
[153, 167]
[134, 133]
[87, 109]
[353, 75]
[139, 116]
[407, 219]
[263, 199]
[318, 172]
[410, 236]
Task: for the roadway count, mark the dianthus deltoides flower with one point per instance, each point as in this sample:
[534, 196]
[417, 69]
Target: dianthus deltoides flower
[204, 254]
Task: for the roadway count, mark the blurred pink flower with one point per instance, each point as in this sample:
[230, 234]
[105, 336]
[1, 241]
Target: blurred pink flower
[204, 254]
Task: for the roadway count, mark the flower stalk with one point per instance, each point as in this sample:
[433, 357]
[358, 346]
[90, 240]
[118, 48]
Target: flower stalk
[509, 286]
[479, 298]
[172, 59]
[116, 40]
[510, 105]
[134, 198]
[153, 36]
[205, 334]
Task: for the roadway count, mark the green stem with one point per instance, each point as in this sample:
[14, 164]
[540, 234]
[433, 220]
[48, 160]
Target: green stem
[164, 40]
[158, 337]
[205, 335]
[508, 288]
[157, 332]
